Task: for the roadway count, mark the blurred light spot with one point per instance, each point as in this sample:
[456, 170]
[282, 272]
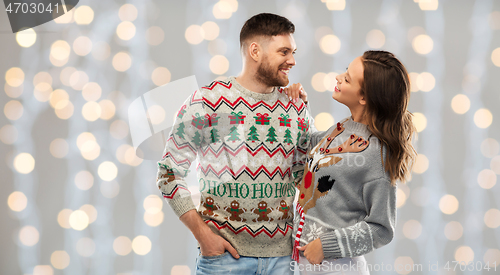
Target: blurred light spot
[194, 34]
[121, 151]
[78, 79]
[84, 15]
[453, 230]
[492, 255]
[464, 254]
[412, 229]
[156, 114]
[425, 82]
[422, 44]
[420, 121]
[63, 218]
[66, 111]
[483, 118]
[13, 110]
[26, 38]
[428, 5]
[85, 247]
[330, 81]
[131, 157]
[101, 50]
[60, 50]
[125, 30]
[90, 150]
[91, 111]
[42, 92]
[490, 147]
[495, 57]
[375, 39]
[217, 47]
[153, 204]
[323, 121]
[223, 10]
[14, 77]
[492, 218]
[122, 245]
[59, 148]
[322, 31]
[84, 180]
[460, 104]
[13, 92]
[66, 75]
[91, 91]
[107, 109]
[82, 45]
[318, 82]
[414, 32]
[90, 211]
[494, 164]
[487, 179]
[110, 189]
[107, 171]
[78, 220]
[42, 77]
[127, 12]
[24, 163]
[405, 262]
[335, 5]
[29, 236]
[400, 198]
[413, 82]
[330, 44]
[448, 204]
[66, 18]
[122, 61]
[8, 134]
[160, 76]
[219, 64]
[119, 129]
[153, 219]
[180, 270]
[84, 137]
[421, 164]
[210, 30]
[141, 245]
[59, 259]
[155, 35]
[17, 201]
[43, 270]
[59, 98]
[494, 20]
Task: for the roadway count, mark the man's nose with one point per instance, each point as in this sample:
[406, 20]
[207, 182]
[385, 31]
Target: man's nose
[291, 60]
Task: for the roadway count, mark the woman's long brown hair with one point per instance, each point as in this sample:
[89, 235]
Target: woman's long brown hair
[386, 89]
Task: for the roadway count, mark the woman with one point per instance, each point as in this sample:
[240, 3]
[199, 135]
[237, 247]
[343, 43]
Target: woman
[347, 201]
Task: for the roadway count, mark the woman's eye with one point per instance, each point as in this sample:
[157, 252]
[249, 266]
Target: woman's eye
[346, 80]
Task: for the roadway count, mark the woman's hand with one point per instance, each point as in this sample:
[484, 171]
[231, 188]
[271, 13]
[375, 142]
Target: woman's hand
[295, 91]
[313, 251]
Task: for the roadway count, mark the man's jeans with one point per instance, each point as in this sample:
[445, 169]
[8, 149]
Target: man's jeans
[226, 264]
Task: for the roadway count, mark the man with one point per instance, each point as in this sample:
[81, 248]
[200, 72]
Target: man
[250, 140]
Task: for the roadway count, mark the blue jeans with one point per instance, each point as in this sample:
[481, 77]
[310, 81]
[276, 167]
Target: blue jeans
[226, 264]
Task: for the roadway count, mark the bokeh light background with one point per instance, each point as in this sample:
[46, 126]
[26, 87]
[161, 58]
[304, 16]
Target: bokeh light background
[77, 200]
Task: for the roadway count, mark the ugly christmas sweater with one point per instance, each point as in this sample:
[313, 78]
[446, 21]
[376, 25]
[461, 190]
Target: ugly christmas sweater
[346, 198]
[251, 150]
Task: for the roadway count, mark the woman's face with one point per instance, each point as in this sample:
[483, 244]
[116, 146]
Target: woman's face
[348, 86]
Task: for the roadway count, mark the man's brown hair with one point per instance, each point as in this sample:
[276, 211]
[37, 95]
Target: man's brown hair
[265, 24]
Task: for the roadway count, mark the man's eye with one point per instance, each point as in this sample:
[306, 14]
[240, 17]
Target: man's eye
[285, 52]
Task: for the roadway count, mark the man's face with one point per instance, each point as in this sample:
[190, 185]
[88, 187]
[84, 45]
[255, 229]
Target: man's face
[277, 59]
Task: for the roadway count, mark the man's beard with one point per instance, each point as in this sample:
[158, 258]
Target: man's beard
[269, 76]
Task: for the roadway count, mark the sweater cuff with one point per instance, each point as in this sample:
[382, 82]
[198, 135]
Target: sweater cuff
[181, 205]
[330, 243]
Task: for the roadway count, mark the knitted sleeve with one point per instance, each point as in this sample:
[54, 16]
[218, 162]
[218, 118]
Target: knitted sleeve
[180, 151]
[374, 231]
[300, 154]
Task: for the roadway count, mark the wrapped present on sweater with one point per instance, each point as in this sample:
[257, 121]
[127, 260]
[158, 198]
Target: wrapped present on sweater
[262, 119]
[303, 125]
[237, 118]
[284, 120]
[198, 121]
[211, 120]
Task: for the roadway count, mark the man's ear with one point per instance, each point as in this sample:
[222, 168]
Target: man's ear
[255, 51]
